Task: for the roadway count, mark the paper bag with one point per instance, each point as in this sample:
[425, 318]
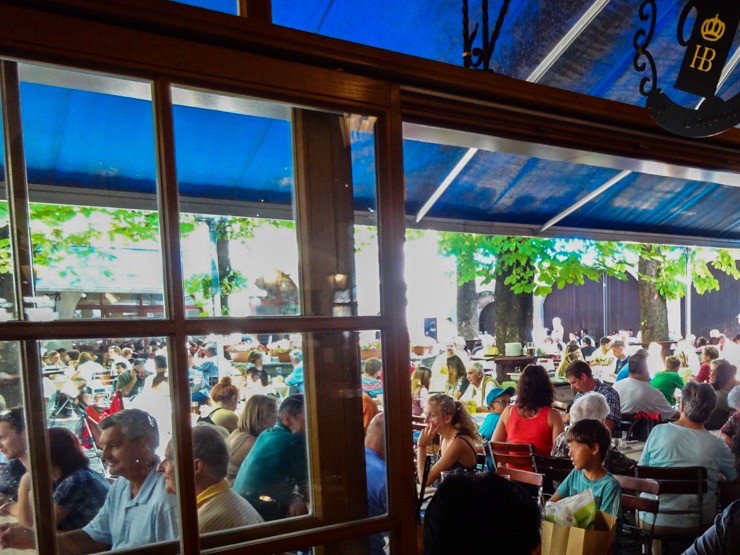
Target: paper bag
[568, 540]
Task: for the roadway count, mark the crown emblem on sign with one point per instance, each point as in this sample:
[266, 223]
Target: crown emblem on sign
[713, 29]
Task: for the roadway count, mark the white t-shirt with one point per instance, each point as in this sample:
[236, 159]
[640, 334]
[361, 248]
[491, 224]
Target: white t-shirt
[638, 396]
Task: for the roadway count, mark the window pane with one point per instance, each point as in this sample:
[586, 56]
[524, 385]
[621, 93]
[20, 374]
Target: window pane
[7, 291]
[238, 196]
[238, 383]
[225, 6]
[89, 147]
[112, 396]
[15, 484]
[273, 431]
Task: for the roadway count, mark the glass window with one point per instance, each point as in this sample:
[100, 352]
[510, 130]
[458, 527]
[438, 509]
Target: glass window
[262, 391]
[7, 289]
[89, 148]
[16, 506]
[238, 200]
[225, 6]
[109, 418]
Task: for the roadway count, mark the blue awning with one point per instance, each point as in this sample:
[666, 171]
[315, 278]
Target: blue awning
[97, 141]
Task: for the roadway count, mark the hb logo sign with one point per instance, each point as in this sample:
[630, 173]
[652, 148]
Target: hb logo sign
[708, 45]
[706, 50]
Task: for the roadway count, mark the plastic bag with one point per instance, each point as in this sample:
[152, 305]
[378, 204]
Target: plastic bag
[578, 510]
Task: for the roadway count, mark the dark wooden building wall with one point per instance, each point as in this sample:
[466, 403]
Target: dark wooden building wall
[582, 306]
[622, 304]
[578, 307]
[716, 309]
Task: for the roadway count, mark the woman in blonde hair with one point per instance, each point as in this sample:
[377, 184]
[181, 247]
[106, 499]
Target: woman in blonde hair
[572, 353]
[259, 414]
[420, 390]
[459, 435]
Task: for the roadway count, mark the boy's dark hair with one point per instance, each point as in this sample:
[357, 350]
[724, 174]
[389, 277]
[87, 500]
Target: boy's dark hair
[604, 341]
[463, 501]
[590, 432]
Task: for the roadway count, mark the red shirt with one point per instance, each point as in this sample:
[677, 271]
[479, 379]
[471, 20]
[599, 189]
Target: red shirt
[535, 430]
[703, 375]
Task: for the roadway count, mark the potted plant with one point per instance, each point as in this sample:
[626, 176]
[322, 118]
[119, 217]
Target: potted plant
[280, 349]
[371, 349]
[422, 346]
[240, 352]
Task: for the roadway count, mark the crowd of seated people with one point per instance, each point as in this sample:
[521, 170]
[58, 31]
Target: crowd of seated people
[681, 437]
[139, 507]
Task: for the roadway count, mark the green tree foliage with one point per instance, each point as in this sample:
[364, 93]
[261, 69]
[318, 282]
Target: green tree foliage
[532, 264]
[63, 236]
[675, 263]
[537, 265]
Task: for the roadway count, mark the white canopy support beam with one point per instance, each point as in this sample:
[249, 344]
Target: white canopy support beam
[446, 183]
[588, 198]
[726, 72]
[543, 67]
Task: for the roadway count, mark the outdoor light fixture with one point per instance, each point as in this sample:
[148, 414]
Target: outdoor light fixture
[337, 282]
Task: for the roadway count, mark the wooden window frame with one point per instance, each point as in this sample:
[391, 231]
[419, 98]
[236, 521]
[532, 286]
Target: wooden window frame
[166, 43]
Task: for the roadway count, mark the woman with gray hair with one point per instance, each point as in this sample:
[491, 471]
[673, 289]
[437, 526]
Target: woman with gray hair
[686, 442]
[593, 406]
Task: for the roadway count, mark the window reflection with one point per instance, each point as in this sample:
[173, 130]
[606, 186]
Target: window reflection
[250, 391]
[16, 508]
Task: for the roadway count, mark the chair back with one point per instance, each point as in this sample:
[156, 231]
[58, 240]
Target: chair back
[422, 491]
[632, 504]
[525, 477]
[518, 454]
[686, 480]
[631, 490]
[554, 469]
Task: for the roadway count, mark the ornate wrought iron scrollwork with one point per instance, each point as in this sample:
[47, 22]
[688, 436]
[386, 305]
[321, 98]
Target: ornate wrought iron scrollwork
[480, 57]
[643, 59]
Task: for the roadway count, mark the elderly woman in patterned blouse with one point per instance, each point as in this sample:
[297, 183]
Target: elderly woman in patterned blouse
[593, 406]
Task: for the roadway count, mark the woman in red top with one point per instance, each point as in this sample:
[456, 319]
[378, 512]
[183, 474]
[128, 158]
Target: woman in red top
[530, 419]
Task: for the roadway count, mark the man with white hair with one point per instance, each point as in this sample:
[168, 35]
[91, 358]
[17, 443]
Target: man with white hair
[479, 388]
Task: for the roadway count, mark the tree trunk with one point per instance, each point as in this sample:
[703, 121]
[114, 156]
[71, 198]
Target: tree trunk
[223, 259]
[653, 308]
[467, 310]
[513, 314]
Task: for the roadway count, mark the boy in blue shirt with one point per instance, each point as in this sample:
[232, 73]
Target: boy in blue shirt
[589, 441]
[497, 400]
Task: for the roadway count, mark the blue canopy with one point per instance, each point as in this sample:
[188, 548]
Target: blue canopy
[105, 142]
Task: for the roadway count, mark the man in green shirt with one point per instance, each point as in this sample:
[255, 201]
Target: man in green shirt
[274, 476]
[668, 380]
